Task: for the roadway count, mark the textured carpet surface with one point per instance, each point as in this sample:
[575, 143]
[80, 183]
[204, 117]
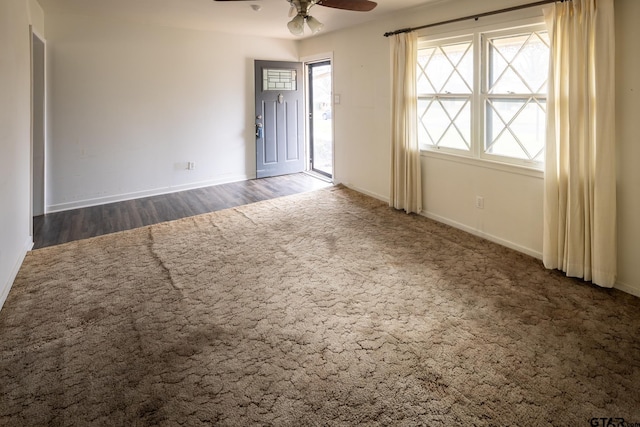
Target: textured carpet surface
[326, 308]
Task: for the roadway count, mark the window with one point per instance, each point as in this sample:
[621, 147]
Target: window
[484, 94]
[279, 79]
[445, 89]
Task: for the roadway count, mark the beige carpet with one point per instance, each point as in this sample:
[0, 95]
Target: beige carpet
[326, 308]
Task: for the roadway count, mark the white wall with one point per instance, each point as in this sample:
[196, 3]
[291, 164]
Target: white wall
[15, 140]
[513, 201]
[131, 104]
[36, 15]
[362, 119]
[512, 214]
[628, 143]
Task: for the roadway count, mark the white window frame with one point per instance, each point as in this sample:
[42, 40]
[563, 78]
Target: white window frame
[480, 63]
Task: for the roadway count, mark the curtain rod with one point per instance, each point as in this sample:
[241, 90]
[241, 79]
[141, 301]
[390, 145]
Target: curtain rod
[476, 17]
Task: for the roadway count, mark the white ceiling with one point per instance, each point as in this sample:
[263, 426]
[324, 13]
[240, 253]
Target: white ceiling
[228, 17]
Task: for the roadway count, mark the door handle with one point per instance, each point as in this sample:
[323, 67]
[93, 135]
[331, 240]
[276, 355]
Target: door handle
[258, 130]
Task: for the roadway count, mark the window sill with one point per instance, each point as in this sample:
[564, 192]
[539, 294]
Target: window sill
[484, 163]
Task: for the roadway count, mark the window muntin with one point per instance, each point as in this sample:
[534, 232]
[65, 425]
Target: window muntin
[484, 95]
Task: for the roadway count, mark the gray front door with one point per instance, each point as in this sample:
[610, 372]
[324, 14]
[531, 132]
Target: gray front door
[279, 118]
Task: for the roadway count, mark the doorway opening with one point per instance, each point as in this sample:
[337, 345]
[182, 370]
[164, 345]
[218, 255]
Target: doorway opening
[320, 124]
[38, 91]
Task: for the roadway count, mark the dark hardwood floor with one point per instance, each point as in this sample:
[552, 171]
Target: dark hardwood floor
[60, 227]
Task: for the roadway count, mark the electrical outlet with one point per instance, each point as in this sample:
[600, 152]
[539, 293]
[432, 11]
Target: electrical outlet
[479, 202]
[191, 165]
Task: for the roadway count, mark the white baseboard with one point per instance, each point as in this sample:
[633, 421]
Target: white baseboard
[625, 287]
[59, 207]
[457, 225]
[6, 287]
[366, 192]
[490, 237]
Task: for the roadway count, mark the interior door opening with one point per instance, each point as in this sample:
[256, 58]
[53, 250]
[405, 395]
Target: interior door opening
[320, 123]
[38, 125]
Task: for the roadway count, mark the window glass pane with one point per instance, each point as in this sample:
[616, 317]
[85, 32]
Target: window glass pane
[423, 83]
[446, 69]
[506, 145]
[518, 64]
[445, 122]
[282, 80]
[516, 128]
[461, 56]
[533, 64]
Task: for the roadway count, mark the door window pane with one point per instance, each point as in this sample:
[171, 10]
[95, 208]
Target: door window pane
[279, 79]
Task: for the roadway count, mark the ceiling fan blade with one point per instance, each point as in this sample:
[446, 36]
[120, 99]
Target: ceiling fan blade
[356, 5]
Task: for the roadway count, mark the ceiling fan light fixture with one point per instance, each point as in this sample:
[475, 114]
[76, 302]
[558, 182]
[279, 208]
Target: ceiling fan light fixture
[299, 12]
[296, 25]
[314, 25]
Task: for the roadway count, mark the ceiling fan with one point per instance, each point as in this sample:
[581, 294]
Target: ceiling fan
[300, 12]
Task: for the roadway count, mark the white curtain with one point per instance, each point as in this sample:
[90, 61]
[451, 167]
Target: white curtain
[580, 176]
[406, 181]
